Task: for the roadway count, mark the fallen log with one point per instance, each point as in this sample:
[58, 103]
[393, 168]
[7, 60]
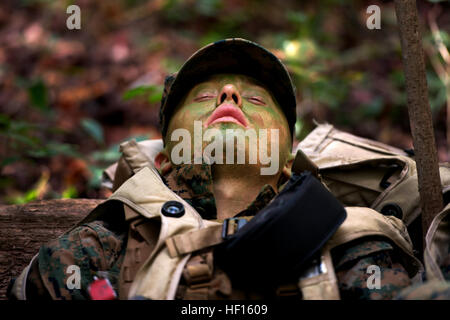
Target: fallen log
[24, 228]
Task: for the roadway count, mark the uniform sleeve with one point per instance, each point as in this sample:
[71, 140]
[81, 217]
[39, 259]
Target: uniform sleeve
[360, 264]
[65, 267]
[429, 290]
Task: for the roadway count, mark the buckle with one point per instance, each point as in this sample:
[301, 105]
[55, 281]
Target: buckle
[314, 269]
[236, 223]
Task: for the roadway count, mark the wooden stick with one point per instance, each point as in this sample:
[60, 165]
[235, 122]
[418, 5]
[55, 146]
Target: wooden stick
[419, 111]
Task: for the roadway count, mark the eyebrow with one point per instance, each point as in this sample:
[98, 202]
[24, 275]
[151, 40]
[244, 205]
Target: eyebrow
[256, 90]
[202, 86]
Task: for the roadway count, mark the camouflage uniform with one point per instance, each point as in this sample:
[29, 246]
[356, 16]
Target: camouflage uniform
[99, 246]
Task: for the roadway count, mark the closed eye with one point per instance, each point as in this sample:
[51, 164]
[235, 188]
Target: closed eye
[256, 100]
[204, 97]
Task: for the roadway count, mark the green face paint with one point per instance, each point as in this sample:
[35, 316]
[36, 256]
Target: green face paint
[207, 101]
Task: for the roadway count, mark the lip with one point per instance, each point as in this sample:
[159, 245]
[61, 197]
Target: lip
[227, 113]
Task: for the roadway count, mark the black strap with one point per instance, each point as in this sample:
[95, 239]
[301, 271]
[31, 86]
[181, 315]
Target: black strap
[275, 245]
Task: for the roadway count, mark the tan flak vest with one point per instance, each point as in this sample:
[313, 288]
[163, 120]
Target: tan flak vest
[351, 167]
[438, 244]
[363, 172]
[159, 275]
[366, 176]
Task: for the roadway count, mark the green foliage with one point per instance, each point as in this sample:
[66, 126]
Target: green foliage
[152, 93]
[29, 196]
[109, 155]
[94, 129]
[24, 141]
[437, 92]
[38, 95]
[182, 10]
[171, 64]
[99, 160]
[69, 193]
[52, 148]
[297, 18]
[136, 92]
[299, 129]
[208, 7]
[34, 193]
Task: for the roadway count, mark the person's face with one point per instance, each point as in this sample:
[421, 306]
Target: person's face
[231, 101]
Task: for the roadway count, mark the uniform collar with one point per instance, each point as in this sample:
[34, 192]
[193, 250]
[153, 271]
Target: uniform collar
[194, 184]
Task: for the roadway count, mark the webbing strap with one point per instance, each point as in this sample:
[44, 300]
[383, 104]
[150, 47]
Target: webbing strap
[200, 239]
[322, 286]
[198, 273]
[195, 240]
[140, 243]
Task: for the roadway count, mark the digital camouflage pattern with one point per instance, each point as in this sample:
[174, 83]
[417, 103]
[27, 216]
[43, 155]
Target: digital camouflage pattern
[433, 290]
[105, 251]
[194, 184]
[353, 284]
[99, 247]
[93, 247]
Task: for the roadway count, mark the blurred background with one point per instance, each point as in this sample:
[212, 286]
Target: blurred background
[68, 98]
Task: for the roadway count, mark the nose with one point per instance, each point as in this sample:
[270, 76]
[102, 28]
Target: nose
[229, 93]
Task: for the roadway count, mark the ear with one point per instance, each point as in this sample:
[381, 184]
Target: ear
[286, 171]
[162, 162]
